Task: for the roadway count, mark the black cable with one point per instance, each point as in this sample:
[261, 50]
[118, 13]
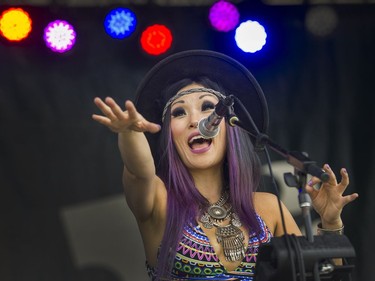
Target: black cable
[287, 238]
[300, 260]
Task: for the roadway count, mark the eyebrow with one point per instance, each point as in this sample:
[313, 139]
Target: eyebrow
[200, 97]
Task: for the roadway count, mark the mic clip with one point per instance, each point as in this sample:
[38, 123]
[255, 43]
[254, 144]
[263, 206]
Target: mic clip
[261, 141]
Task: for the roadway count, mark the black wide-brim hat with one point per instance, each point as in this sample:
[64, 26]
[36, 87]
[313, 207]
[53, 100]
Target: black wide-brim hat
[234, 77]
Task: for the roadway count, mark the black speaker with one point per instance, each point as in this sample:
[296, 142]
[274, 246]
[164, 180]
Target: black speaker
[291, 257]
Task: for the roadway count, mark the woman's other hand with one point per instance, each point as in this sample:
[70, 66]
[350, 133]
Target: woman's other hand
[120, 121]
[328, 200]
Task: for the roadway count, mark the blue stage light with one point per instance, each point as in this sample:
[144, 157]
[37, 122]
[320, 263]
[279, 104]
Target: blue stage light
[120, 23]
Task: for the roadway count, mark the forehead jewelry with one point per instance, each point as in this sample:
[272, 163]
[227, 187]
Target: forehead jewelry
[229, 236]
[190, 91]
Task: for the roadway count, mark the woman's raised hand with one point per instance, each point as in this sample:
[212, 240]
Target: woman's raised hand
[120, 121]
[328, 200]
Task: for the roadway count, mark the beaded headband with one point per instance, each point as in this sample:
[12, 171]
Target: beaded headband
[190, 91]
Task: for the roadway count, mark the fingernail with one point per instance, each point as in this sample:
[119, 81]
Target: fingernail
[328, 167]
[344, 170]
[310, 183]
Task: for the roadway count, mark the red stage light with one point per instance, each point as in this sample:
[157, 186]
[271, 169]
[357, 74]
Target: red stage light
[156, 39]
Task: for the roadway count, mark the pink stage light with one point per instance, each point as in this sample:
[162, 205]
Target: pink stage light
[59, 36]
[224, 16]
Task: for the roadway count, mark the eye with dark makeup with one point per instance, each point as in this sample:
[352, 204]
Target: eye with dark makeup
[177, 112]
[208, 105]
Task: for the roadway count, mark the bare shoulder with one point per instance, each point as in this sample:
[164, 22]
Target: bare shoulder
[267, 206]
[265, 200]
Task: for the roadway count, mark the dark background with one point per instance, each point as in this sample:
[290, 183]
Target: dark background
[53, 156]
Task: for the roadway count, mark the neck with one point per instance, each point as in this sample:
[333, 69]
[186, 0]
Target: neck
[209, 183]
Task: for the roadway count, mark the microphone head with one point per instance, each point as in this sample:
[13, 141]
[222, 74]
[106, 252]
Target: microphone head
[207, 133]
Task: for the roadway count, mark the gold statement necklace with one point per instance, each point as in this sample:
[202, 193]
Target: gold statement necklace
[229, 236]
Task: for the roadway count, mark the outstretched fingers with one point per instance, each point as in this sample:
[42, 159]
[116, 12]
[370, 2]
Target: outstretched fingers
[119, 120]
[104, 108]
[341, 186]
[333, 183]
[349, 198]
[132, 111]
[152, 127]
[344, 184]
[115, 108]
[328, 199]
[141, 122]
[113, 116]
[332, 177]
[344, 178]
[101, 119]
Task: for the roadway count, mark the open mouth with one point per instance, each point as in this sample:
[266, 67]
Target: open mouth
[198, 142]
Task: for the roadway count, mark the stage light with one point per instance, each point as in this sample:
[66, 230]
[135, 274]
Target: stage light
[120, 23]
[250, 36]
[224, 16]
[321, 21]
[156, 39]
[59, 36]
[15, 24]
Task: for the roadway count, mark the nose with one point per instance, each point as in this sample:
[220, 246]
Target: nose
[194, 124]
[195, 116]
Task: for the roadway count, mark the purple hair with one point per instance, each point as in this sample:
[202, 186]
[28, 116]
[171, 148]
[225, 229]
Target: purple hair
[184, 201]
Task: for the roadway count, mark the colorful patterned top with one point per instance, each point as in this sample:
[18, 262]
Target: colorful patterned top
[196, 258]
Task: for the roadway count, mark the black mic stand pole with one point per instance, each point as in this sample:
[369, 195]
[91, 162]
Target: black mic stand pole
[299, 180]
[308, 253]
[302, 166]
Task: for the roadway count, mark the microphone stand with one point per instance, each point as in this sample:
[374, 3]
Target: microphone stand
[311, 254]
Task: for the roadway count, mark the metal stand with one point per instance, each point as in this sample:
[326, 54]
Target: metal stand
[290, 257]
[311, 255]
[274, 259]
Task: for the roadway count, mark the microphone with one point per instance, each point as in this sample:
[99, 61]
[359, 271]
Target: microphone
[302, 162]
[209, 127]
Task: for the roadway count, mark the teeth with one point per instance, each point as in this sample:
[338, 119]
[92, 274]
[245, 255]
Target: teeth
[195, 138]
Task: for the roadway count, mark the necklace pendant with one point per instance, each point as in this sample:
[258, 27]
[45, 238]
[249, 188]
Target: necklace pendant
[206, 221]
[231, 238]
[236, 220]
[218, 213]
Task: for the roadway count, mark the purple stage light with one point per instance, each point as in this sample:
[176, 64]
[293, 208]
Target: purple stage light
[59, 36]
[224, 16]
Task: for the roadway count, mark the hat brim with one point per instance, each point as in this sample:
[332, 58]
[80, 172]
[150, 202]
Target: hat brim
[235, 78]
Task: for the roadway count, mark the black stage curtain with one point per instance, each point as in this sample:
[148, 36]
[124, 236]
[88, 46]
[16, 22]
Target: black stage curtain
[319, 90]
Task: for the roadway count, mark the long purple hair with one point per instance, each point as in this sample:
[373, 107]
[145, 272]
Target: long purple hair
[184, 203]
